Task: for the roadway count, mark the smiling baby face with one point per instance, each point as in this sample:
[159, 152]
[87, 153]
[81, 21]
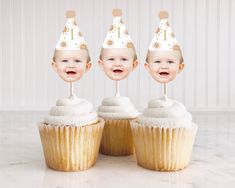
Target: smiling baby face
[70, 65]
[164, 65]
[118, 63]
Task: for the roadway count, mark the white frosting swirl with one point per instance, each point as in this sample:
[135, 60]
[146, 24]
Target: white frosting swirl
[117, 107]
[72, 111]
[165, 112]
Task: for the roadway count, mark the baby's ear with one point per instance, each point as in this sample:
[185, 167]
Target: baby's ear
[101, 64]
[53, 64]
[181, 66]
[88, 66]
[135, 64]
[146, 65]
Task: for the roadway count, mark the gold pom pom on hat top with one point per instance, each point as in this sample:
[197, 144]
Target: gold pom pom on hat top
[117, 12]
[163, 15]
[83, 47]
[70, 14]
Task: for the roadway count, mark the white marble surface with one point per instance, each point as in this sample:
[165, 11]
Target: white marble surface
[22, 162]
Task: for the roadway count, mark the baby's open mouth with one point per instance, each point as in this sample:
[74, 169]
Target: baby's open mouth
[164, 73]
[71, 72]
[117, 71]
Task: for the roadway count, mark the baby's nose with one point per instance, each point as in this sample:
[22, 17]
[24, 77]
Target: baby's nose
[164, 66]
[118, 63]
[71, 64]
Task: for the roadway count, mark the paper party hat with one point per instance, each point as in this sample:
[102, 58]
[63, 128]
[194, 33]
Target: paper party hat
[118, 36]
[71, 37]
[164, 39]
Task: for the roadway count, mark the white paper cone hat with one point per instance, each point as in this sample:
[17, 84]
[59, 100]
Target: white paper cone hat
[164, 39]
[118, 36]
[71, 37]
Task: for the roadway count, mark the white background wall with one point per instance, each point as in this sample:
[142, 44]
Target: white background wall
[30, 29]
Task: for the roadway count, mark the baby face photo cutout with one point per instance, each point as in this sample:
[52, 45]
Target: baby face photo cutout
[118, 57]
[71, 58]
[164, 59]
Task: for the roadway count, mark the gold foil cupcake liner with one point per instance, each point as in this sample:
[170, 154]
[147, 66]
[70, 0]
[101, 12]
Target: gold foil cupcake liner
[117, 138]
[71, 148]
[163, 148]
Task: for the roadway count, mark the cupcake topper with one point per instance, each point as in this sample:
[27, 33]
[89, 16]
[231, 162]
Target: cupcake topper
[119, 40]
[165, 51]
[70, 48]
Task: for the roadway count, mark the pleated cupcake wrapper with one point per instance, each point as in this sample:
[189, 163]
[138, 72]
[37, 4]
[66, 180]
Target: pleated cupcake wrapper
[71, 148]
[161, 148]
[117, 138]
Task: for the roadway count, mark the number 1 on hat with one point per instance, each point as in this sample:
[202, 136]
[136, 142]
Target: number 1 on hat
[71, 34]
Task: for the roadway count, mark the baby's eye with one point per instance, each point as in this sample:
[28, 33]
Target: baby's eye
[170, 62]
[64, 60]
[77, 61]
[124, 59]
[157, 62]
[110, 59]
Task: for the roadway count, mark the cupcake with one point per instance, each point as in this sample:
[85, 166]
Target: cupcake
[117, 138]
[117, 59]
[71, 135]
[72, 132]
[164, 135]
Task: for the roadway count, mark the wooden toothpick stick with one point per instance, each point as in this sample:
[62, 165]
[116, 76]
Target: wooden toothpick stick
[71, 89]
[117, 88]
[165, 89]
